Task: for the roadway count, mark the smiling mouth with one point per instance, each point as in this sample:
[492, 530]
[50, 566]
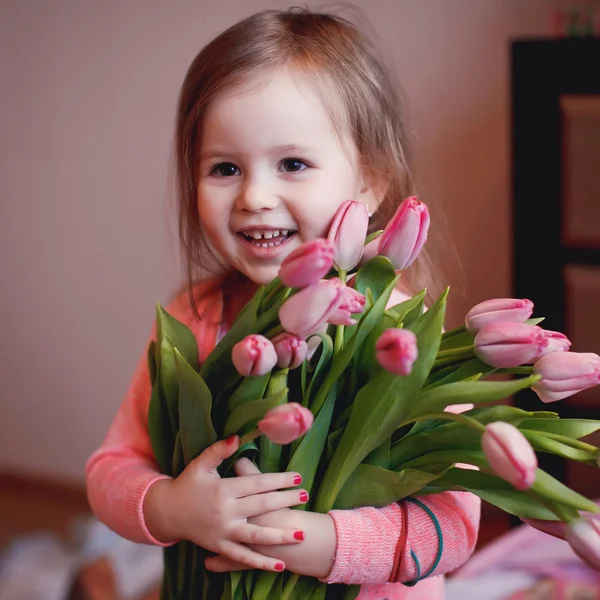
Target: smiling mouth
[267, 239]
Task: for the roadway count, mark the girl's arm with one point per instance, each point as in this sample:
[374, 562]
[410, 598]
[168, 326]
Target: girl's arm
[358, 546]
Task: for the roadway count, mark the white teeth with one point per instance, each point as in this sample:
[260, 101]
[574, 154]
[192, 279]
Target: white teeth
[275, 232]
[268, 235]
[284, 232]
[256, 235]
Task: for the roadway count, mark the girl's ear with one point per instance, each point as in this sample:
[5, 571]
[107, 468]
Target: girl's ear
[373, 191]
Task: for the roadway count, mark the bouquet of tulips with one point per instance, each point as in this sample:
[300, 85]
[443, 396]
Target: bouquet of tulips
[320, 375]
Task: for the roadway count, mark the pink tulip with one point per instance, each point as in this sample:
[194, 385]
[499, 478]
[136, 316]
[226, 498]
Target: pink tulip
[347, 233]
[254, 355]
[405, 234]
[565, 373]
[497, 310]
[583, 536]
[396, 350]
[507, 344]
[352, 303]
[291, 350]
[305, 312]
[557, 342]
[307, 264]
[286, 423]
[509, 453]
[557, 529]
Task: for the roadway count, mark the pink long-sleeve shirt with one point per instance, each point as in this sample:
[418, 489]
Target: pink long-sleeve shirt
[122, 470]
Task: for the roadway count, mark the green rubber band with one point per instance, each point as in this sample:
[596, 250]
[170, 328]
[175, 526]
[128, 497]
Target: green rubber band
[438, 557]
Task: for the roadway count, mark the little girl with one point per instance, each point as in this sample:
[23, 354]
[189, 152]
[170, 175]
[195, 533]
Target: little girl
[281, 118]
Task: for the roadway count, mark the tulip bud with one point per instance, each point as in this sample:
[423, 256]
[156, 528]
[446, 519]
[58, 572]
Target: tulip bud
[305, 312]
[291, 350]
[565, 373]
[583, 536]
[347, 233]
[396, 350]
[352, 303]
[557, 342]
[286, 423]
[498, 310]
[507, 344]
[254, 355]
[509, 453]
[307, 264]
[405, 234]
[557, 529]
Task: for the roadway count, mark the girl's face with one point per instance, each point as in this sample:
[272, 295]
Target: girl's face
[273, 172]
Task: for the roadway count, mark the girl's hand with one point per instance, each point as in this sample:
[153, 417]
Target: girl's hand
[213, 512]
[220, 563]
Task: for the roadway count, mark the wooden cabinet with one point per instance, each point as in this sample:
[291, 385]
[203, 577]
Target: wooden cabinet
[556, 208]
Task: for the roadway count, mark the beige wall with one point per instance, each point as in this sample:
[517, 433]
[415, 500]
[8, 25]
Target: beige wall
[86, 241]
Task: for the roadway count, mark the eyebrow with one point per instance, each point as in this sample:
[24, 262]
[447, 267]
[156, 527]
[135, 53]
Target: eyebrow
[215, 152]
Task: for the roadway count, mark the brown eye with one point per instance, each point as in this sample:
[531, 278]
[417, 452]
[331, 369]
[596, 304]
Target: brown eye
[225, 170]
[291, 165]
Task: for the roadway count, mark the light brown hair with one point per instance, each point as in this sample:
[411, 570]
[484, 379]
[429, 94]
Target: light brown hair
[343, 64]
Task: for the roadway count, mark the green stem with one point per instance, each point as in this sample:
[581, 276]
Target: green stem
[448, 334]
[568, 441]
[274, 331]
[248, 437]
[465, 351]
[289, 586]
[517, 371]
[460, 417]
[339, 330]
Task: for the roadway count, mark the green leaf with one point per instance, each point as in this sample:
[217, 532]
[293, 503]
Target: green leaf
[549, 487]
[458, 373]
[542, 443]
[380, 407]
[492, 489]
[408, 311]
[340, 361]
[438, 434]
[251, 388]
[248, 450]
[573, 428]
[195, 406]
[179, 335]
[375, 275]
[468, 392]
[151, 358]
[324, 360]
[380, 457]
[269, 457]
[264, 585]
[373, 235]
[159, 428]
[249, 414]
[305, 459]
[459, 340]
[373, 486]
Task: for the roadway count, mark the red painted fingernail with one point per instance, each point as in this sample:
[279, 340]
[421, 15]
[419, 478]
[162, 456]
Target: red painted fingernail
[279, 566]
[299, 535]
[304, 497]
[298, 480]
[231, 440]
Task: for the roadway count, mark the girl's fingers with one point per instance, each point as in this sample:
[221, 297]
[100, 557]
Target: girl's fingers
[242, 554]
[222, 564]
[267, 536]
[216, 453]
[258, 504]
[265, 482]
[244, 466]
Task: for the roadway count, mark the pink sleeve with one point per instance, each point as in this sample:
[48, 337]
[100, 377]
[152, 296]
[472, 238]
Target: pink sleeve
[367, 537]
[121, 471]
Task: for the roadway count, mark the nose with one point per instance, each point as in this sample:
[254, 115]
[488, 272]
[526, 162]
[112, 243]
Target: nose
[256, 195]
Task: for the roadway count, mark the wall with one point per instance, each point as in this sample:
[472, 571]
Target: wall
[87, 236]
